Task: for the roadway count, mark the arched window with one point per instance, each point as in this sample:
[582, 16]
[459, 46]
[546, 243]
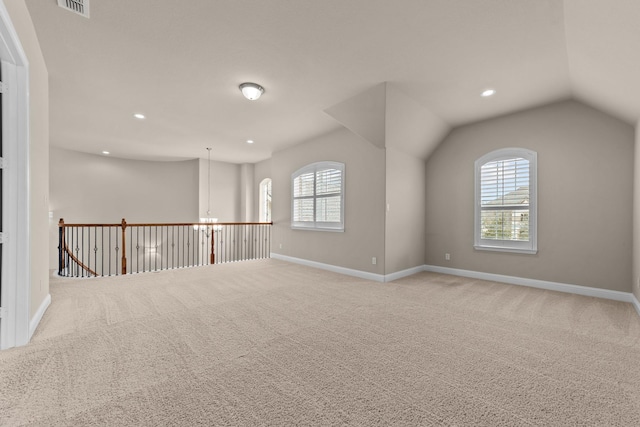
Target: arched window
[506, 201]
[265, 200]
[317, 194]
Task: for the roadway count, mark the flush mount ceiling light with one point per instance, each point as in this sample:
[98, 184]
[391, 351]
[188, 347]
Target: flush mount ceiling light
[488, 92]
[106, 153]
[139, 116]
[249, 141]
[251, 91]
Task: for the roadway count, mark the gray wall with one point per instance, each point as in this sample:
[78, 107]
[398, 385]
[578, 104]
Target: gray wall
[101, 189]
[585, 196]
[225, 191]
[405, 226]
[86, 188]
[363, 237]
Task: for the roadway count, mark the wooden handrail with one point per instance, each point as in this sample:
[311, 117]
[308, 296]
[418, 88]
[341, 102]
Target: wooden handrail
[168, 224]
[65, 247]
[73, 257]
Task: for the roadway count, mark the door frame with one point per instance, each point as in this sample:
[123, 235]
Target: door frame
[16, 264]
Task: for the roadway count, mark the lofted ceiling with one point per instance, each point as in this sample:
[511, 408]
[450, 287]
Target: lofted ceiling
[180, 63]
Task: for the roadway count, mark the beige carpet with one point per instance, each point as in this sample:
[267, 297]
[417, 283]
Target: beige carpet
[271, 343]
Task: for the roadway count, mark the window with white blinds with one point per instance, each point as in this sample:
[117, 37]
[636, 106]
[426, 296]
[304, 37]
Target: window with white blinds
[505, 213]
[318, 197]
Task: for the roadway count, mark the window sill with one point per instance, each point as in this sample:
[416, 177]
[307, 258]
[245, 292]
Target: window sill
[331, 230]
[505, 249]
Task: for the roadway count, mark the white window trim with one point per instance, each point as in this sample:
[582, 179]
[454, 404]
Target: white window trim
[319, 226]
[530, 247]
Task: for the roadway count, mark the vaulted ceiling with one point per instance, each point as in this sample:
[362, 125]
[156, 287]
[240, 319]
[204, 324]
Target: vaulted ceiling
[180, 63]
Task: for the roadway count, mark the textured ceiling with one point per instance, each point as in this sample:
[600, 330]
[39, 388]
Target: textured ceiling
[180, 63]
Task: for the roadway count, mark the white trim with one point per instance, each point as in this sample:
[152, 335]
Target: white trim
[35, 321]
[541, 284]
[16, 262]
[318, 225]
[635, 303]
[403, 273]
[351, 272]
[523, 247]
[329, 267]
[505, 249]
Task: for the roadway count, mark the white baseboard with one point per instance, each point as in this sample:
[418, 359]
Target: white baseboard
[351, 272]
[35, 321]
[541, 284]
[636, 303]
[404, 273]
[329, 267]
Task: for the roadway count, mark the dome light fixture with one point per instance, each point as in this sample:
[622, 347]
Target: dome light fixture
[139, 116]
[251, 91]
[488, 92]
[249, 141]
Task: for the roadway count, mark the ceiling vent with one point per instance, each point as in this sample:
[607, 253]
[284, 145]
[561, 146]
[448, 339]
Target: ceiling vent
[81, 7]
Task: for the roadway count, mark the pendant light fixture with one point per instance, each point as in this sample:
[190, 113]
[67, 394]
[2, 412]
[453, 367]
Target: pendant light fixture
[208, 183]
[208, 218]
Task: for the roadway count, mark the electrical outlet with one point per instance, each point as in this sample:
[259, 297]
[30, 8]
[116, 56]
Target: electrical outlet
[447, 257]
[374, 261]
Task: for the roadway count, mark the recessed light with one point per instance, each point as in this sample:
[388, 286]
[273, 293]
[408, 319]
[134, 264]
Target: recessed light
[139, 116]
[249, 141]
[488, 92]
[106, 153]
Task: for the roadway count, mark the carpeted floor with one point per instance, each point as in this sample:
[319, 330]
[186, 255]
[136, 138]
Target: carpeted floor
[277, 344]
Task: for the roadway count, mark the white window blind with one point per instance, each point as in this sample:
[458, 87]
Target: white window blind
[318, 196]
[506, 201]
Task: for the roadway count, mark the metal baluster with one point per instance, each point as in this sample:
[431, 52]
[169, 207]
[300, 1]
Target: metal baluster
[95, 249]
[180, 245]
[60, 256]
[188, 234]
[117, 248]
[81, 247]
[130, 270]
[144, 248]
[202, 249]
[109, 230]
[155, 261]
[137, 249]
[234, 243]
[102, 249]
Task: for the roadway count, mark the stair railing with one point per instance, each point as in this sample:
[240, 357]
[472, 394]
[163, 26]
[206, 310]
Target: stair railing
[88, 250]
